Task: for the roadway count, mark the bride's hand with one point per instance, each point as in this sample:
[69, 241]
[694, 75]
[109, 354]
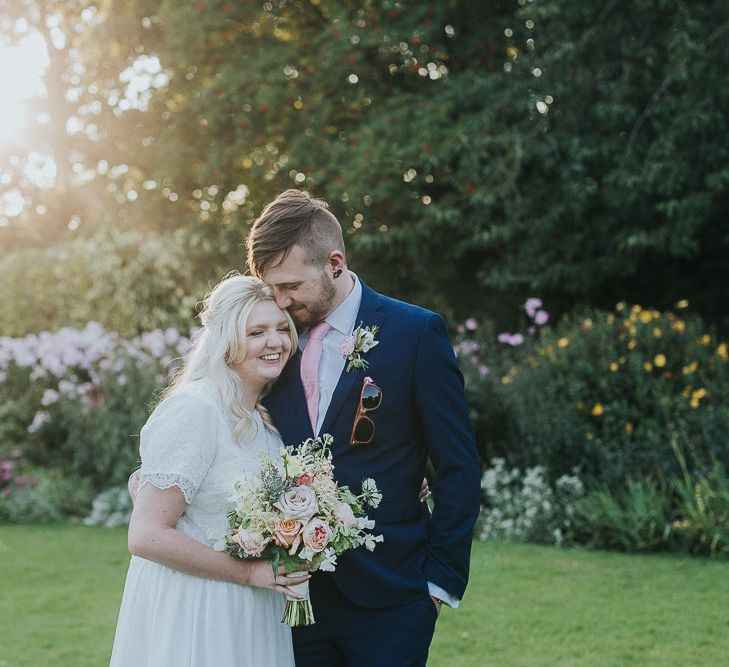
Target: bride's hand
[260, 575]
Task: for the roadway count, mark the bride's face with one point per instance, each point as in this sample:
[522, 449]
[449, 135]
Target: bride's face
[268, 344]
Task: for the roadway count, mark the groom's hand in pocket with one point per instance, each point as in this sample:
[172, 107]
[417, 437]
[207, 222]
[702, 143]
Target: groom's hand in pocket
[438, 604]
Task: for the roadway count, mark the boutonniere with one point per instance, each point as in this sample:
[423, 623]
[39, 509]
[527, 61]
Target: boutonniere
[360, 342]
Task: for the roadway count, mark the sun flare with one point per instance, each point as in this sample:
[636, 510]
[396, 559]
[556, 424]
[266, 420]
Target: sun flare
[22, 66]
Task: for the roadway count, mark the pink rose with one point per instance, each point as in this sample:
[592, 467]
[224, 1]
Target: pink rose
[305, 480]
[347, 346]
[287, 533]
[251, 542]
[344, 513]
[316, 535]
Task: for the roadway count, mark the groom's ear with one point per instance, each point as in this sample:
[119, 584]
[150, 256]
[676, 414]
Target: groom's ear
[337, 262]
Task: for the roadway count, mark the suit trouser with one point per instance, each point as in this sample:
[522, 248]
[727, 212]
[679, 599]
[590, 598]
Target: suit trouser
[346, 634]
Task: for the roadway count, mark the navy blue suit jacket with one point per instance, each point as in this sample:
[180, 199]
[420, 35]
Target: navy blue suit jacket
[423, 413]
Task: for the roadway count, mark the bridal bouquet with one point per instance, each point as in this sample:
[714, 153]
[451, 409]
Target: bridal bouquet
[293, 511]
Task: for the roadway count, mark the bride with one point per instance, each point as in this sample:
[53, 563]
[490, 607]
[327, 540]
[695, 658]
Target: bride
[184, 602]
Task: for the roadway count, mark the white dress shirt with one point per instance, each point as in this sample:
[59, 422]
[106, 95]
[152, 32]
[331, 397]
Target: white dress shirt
[343, 322]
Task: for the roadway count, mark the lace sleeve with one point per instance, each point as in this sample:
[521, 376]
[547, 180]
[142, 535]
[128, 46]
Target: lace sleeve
[178, 444]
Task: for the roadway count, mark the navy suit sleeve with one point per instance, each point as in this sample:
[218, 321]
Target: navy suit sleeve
[448, 434]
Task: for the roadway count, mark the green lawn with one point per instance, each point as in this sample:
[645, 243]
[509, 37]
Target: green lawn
[526, 605]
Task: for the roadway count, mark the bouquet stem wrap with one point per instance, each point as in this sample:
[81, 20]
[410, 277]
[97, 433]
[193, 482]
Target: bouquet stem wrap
[298, 612]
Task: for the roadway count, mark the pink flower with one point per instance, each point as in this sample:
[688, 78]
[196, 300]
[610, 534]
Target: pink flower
[514, 340]
[471, 324]
[531, 306]
[317, 534]
[347, 346]
[305, 480]
[343, 513]
[541, 317]
[251, 542]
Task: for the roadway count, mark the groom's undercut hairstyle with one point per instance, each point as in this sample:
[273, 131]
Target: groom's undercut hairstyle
[293, 218]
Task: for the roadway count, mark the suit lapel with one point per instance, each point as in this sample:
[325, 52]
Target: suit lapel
[350, 383]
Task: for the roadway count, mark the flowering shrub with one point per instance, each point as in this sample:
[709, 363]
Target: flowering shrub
[603, 393]
[526, 507]
[111, 508]
[76, 398]
[131, 283]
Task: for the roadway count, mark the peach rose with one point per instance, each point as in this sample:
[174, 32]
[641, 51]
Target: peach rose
[287, 533]
[316, 534]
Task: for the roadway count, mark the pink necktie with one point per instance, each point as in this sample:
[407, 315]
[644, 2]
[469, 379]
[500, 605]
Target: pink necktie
[310, 369]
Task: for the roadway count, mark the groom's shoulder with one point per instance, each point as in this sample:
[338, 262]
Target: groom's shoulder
[408, 311]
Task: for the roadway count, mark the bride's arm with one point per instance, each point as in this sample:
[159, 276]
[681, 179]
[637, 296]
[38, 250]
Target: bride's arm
[153, 535]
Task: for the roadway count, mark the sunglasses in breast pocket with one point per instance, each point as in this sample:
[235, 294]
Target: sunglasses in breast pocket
[370, 398]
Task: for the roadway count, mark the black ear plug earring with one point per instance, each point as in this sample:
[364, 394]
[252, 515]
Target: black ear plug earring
[338, 273]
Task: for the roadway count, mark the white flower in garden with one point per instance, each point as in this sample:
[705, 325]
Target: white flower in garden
[49, 397]
[38, 421]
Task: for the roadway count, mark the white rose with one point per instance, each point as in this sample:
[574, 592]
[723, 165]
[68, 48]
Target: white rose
[298, 503]
[368, 341]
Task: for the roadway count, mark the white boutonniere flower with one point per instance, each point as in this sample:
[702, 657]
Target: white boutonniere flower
[360, 342]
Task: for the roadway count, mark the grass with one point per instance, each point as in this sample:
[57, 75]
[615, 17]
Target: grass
[526, 605]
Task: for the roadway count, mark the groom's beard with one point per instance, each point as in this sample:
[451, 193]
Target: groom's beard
[306, 316]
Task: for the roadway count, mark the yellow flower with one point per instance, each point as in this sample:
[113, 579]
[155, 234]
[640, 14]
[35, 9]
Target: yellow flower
[683, 303]
[722, 351]
[597, 410]
[505, 380]
[699, 394]
[657, 332]
[646, 316]
[587, 324]
[512, 52]
[679, 326]
[635, 309]
[647, 365]
[629, 428]
[563, 342]
[613, 367]
[691, 368]
[631, 344]
[610, 318]
[686, 391]
[705, 339]
[694, 403]
[660, 360]
[621, 360]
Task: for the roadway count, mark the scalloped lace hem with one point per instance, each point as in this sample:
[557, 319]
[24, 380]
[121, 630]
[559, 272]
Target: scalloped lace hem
[167, 481]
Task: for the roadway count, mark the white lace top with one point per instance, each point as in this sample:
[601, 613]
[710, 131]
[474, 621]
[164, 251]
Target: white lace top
[188, 442]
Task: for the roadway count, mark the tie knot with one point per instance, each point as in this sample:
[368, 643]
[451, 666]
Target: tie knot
[319, 331]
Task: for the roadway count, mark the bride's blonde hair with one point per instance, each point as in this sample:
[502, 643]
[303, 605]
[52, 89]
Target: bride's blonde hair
[222, 343]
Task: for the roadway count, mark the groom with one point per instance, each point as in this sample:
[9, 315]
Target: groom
[378, 608]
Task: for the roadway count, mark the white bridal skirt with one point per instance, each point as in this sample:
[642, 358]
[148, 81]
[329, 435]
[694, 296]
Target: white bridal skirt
[168, 618]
